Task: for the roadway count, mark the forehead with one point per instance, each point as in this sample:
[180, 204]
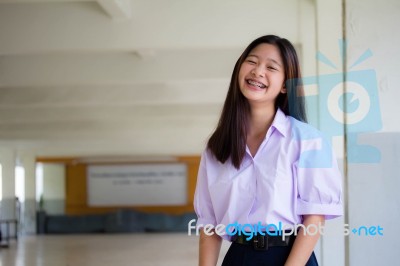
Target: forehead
[267, 51]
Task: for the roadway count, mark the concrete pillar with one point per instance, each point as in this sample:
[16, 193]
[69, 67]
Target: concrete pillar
[29, 206]
[329, 28]
[7, 160]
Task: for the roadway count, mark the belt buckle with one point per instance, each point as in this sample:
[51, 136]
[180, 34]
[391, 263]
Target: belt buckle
[260, 242]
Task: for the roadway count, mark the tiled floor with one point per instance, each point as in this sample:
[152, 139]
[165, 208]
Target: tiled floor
[104, 250]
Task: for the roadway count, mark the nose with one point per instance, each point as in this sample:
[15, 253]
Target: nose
[258, 71]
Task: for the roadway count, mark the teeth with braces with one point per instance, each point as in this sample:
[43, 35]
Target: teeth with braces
[260, 85]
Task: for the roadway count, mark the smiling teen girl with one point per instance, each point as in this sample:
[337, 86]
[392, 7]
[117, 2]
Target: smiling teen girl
[263, 163]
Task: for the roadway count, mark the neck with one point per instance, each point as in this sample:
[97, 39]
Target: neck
[261, 118]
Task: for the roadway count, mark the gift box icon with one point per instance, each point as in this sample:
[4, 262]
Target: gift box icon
[352, 111]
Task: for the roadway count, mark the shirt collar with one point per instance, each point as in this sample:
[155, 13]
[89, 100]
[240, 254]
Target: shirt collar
[280, 122]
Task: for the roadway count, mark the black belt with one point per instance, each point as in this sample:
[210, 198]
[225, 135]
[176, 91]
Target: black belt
[260, 242]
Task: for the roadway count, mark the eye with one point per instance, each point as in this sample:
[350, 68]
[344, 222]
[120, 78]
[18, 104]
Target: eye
[271, 68]
[250, 61]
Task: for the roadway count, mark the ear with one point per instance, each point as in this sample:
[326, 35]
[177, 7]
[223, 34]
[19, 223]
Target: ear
[284, 90]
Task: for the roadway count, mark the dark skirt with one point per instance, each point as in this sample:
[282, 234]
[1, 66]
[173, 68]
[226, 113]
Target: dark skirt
[245, 255]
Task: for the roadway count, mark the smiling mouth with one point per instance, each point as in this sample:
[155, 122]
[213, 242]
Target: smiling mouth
[256, 83]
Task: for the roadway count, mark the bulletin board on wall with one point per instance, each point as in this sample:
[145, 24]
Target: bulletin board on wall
[145, 184]
[181, 173]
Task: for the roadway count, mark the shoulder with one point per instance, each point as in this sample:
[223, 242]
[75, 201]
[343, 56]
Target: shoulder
[314, 148]
[208, 159]
[303, 131]
[295, 129]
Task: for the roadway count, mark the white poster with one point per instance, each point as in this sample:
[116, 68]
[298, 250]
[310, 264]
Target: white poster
[137, 185]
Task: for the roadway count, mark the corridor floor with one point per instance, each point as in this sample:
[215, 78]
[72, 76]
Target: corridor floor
[151, 249]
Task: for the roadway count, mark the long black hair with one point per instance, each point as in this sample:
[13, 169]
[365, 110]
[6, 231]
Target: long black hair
[229, 138]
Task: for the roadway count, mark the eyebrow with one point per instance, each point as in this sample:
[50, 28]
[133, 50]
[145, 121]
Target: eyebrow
[270, 59]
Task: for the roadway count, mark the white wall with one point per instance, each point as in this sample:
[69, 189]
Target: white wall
[373, 187]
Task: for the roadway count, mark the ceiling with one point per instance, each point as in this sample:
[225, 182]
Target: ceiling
[121, 77]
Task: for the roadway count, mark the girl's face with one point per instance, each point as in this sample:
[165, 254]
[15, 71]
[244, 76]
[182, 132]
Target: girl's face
[262, 75]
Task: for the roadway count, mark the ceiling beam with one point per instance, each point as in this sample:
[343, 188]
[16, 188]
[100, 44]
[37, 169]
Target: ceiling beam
[41, 1]
[117, 9]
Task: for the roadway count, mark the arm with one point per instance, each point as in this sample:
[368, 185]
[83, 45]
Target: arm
[304, 244]
[209, 247]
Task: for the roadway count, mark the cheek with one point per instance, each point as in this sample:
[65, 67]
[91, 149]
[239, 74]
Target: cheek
[279, 79]
[244, 69]
[241, 74]
[241, 78]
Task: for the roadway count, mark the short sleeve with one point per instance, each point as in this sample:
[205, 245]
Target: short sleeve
[318, 180]
[202, 200]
